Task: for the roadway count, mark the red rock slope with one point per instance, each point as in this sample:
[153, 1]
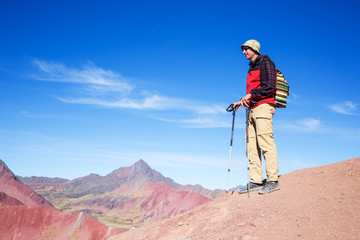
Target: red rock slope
[25, 215]
[12, 187]
[315, 203]
[33, 223]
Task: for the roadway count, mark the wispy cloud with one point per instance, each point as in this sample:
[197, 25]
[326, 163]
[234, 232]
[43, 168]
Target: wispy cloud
[316, 126]
[94, 77]
[310, 123]
[301, 164]
[213, 121]
[182, 160]
[109, 89]
[151, 102]
[46, 116]
[294, 95]
[347, 108]
[305, 125]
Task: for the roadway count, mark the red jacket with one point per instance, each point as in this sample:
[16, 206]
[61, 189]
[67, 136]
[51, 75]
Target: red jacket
[261, 81]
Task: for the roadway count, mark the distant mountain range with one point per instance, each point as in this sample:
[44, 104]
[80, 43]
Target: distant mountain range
[125, 198]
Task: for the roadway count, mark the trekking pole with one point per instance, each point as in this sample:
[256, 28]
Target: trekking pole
[233, 110]
[247, 148]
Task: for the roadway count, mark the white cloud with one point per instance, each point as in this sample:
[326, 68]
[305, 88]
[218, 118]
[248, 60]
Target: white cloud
[53, 116]
[182, 160]
[301, 164]
[108, 89]
[315, 126]
[295, 96]
[347, 108]
[95, 77]
[152, 102]
[310, 123]
[304, 125]
[201, 122]
[206, 122]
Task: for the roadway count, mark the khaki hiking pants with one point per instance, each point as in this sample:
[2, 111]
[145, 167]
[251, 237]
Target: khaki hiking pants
[261, 139]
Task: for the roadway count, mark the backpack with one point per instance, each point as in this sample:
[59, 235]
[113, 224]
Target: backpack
[282, 90]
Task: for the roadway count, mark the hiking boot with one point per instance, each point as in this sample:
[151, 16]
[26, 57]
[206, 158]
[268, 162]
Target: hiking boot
[269, 187]
[252, 187]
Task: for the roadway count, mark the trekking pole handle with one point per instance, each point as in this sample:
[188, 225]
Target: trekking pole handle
[230, 108]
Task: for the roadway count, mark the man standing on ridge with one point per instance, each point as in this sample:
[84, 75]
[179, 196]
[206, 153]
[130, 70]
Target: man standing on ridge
[260, 101]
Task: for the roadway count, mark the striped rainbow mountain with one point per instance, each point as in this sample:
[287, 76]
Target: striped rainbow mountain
[127, 197]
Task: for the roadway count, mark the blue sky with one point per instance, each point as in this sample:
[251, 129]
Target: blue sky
[91, 86]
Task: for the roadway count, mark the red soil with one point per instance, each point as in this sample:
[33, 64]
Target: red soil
[315, 203]
[32, 223]
[5, 200]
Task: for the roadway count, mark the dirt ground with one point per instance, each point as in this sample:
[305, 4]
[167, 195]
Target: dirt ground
[314, 203]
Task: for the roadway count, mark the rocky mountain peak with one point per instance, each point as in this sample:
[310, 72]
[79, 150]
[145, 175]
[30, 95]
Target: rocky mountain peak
[141, 166]
[141, 170]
